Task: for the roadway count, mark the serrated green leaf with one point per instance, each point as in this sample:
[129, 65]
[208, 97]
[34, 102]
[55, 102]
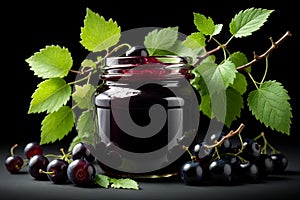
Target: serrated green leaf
[270, 105]
[205, 25]
[50, 95]
[234, 104]
[50, 62]
[217, 77]
[85, 124]
[124, 183]
[162, 39]
[57, 125]
[195, 40]
[239, 59]
[97, 34]
[88, 63]
[218, 29]
[83, 96]
[248, 21]
[205, 105]
[240, 83]
[102, 180]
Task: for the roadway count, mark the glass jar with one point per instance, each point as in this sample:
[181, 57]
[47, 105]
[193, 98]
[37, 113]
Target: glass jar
[147, 112]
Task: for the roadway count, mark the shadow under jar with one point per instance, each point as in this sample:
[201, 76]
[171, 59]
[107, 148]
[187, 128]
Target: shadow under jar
[147, 111]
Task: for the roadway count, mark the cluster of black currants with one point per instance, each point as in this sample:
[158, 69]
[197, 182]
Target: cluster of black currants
[76, 166]
[224, 160]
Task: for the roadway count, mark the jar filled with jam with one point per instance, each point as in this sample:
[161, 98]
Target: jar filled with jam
[147, 114]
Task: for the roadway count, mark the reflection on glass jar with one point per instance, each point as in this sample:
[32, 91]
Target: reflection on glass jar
[147, 111]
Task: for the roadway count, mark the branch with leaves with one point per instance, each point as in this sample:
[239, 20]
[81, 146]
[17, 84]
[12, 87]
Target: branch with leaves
[269, 103]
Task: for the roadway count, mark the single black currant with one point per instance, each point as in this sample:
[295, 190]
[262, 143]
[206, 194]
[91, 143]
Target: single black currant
[251, 149]
[57, 171]
[32, 148]
[220, 171]
[81, 172]
[203, 154]
[14, 163]
[80, 150]
[280, 163]
[36, 164]
[235, 163]
[248, 171]
[265, 164]
[191, 173]
[137, 51]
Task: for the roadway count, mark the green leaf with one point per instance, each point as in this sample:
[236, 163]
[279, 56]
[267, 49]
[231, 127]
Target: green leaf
[50, 95]
[50, 62]
[248, 21]
[83, 96]
[205, 105]
[205, 25]
[270, 104]
[102, 180]
[57, 125]
[97, 34]
[234, 104]
[240, 83]
[85, 124]
[88, 63]
[239, 59]
[124, 183]
[217, 77]
[162, 39]
[195, 40]
[218, 29]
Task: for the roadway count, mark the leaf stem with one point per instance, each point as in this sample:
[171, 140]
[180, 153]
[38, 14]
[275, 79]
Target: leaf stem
[266, 70]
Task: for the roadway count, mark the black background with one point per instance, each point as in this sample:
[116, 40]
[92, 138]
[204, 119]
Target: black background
[30, 26]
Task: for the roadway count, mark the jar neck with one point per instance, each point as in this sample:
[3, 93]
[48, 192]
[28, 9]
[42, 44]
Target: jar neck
[146, 68]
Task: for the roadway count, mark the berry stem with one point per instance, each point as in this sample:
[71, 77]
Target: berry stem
[12, 149]
[45, 172]
[65, 156]
[193, 158]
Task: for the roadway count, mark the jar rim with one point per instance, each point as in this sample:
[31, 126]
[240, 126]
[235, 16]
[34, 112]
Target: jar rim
[126, 61]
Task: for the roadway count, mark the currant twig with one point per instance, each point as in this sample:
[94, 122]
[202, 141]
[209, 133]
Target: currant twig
[230, 134]
[265, 54]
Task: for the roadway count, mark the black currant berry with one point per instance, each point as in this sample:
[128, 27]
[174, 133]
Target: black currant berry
[220, 171]
[14, 164]
[191, 173]
[248, 171]
[265, 165]
[203, 154]
[81, 172]
[36, 164]
[33, 148]
[57, 171]
[80, 150]
[251, 149]
[137, 51]
[280, 162]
